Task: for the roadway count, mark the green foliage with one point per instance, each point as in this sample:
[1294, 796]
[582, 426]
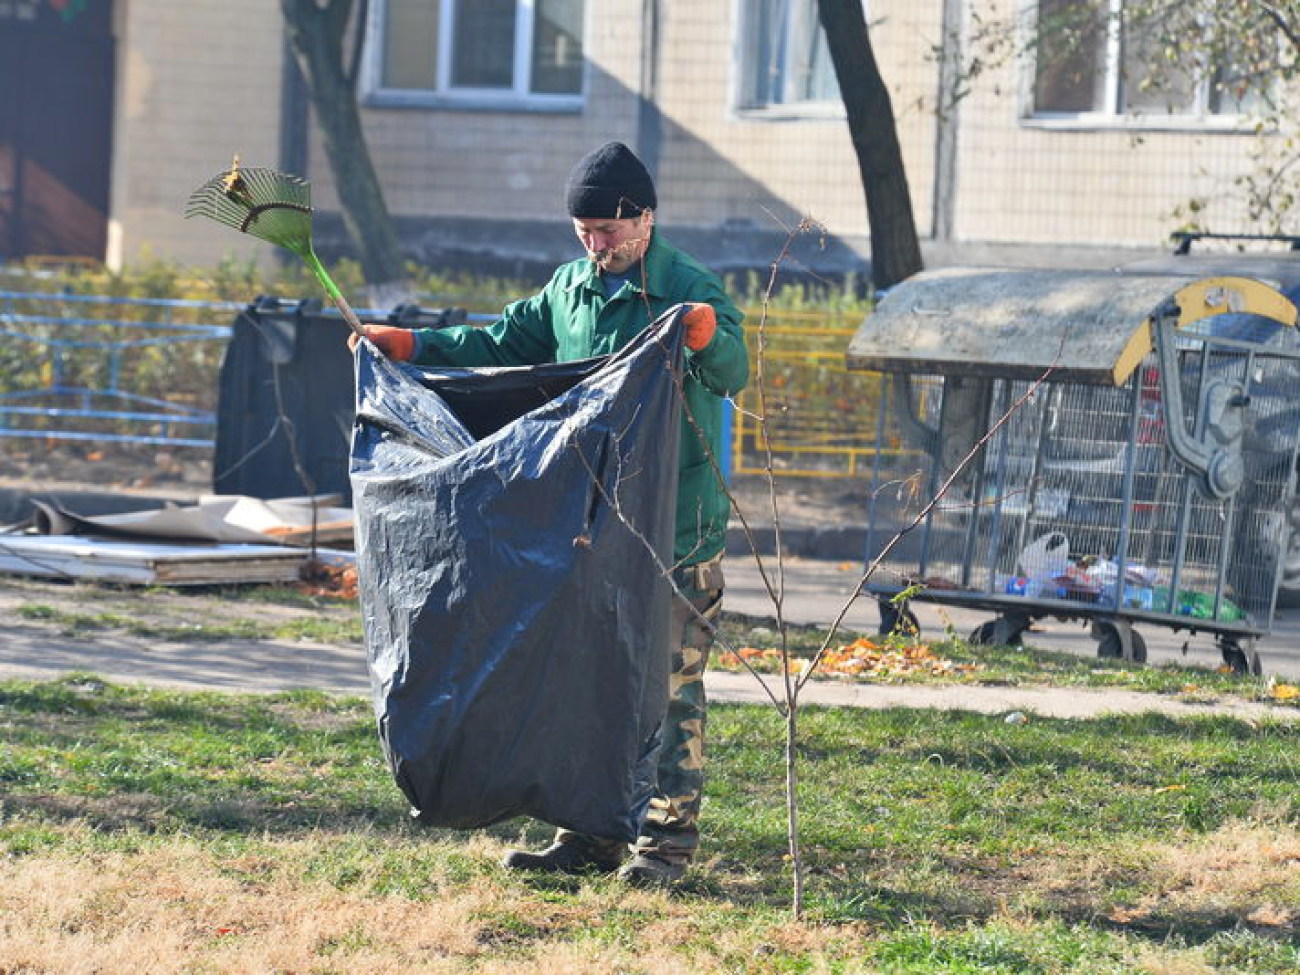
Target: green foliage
[236, 280]
[485, 295]
[845, 302]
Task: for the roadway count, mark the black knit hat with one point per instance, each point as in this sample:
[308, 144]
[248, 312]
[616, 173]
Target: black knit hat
[609, 183]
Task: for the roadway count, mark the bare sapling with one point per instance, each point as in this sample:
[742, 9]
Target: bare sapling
[786, 698]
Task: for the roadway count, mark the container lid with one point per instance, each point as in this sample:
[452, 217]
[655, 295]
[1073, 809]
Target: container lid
[1086, 326]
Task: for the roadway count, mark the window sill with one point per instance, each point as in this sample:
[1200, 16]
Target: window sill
[807, 112]
[475, 101]
[1098, 122]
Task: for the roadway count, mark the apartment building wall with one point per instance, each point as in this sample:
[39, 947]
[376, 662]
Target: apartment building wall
[1028, 184]
[201, 80]
[771, 169]
[466, 182]
[197, 82]
[1040, 183]
[485, 186]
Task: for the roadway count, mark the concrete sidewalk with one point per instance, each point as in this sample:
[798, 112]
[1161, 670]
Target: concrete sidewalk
[265, 666]
[816, 587]
[822, 574]
[815, 593]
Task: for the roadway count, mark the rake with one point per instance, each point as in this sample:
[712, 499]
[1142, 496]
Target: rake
[272, 206]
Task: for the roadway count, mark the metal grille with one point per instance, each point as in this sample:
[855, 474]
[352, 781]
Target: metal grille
[820, 418]
[1077, 502]
[105, 369]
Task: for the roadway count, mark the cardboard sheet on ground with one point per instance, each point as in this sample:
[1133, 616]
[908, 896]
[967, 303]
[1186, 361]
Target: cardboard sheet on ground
[219, 518]
[515, 616]
[218, 540]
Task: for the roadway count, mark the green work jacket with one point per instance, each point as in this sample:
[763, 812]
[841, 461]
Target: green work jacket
[571, 318]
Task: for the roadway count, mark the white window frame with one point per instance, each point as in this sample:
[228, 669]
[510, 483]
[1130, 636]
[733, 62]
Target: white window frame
[446, 95]
[743, 67]
[1113, 116]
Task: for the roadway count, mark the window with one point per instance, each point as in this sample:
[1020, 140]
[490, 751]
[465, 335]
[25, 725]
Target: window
[1098, 58]
[480, 52]
[784, 56]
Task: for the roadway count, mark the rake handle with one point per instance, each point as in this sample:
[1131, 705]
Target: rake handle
[335, 294]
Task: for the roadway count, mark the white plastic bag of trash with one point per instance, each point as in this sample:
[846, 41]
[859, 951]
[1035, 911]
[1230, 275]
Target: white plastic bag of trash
[1043, 560]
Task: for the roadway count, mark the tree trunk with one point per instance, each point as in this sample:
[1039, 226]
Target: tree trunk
[317, 32]
[895, 248]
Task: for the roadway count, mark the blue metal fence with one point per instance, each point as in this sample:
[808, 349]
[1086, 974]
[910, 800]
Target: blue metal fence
[106, 369]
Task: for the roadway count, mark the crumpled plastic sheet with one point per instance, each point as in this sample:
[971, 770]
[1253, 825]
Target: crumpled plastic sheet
[513, 526]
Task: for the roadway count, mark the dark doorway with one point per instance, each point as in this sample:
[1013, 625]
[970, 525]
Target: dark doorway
[56, 124]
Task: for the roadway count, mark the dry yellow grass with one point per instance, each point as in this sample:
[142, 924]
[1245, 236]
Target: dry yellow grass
[180, 909]
[183, 908]
[1242, 871]
[174, 910]
[1245, 874]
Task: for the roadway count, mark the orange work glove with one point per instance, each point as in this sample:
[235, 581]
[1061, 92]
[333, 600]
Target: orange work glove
[396, 343]
[700, 323]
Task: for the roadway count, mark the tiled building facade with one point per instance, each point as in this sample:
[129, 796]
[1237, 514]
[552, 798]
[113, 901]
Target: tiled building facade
[475, 111]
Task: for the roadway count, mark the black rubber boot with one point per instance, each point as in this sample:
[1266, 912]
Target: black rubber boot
[649, 870]
[570, 857]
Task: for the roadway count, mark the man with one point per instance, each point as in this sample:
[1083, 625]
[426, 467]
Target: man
[593, 306]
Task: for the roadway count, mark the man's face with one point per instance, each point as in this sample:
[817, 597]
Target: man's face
[615, 245]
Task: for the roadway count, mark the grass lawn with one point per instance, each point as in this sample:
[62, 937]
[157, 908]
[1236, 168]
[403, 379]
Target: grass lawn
[152, 831]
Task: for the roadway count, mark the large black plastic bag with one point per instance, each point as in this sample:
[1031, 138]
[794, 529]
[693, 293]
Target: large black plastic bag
[515, 614]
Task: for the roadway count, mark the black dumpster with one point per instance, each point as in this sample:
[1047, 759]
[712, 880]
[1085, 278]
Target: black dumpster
[285, 408]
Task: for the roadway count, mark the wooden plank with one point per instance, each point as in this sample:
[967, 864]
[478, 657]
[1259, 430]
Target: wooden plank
[147, 563]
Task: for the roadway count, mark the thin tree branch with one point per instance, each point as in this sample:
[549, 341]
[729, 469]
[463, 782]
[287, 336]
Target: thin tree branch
[1289, 31]
[353, 70]
[920, 516]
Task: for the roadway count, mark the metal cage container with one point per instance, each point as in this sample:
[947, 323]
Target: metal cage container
[1119, 448]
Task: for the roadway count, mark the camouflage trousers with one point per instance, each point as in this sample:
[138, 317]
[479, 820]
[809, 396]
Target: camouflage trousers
[671, 825]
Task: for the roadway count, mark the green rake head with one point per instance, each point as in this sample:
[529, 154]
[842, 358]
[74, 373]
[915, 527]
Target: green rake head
[262, 202]
[272, 206]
